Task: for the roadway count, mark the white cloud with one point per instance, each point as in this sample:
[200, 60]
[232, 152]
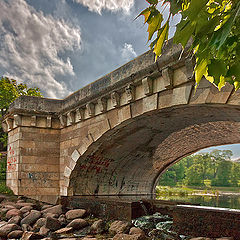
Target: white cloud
[31, 44]
[127, 52]
[112, 5]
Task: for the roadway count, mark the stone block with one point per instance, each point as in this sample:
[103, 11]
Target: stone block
[52, 168]
[234, 99]
[179, 76]
[75, 155]
[72, 164]
[98, 129]
[216, 96]
[158, 85]
[150, 103]
[199, 96]
[124, 113]
[137, 108]
[181, 95]
[67, 171]
[165, 99]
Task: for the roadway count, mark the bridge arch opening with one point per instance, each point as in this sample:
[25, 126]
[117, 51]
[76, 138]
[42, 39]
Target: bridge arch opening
[209, 177]
[128, 159]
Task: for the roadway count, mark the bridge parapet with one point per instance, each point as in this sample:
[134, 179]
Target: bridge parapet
[85, 144]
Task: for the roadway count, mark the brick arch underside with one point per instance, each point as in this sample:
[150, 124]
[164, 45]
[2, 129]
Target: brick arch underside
[127, 160]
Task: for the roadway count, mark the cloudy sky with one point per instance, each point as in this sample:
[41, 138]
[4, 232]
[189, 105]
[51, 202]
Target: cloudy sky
[62, 45]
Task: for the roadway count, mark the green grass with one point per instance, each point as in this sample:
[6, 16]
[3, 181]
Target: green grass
[173, 191]
[4, 189]
[193, 190]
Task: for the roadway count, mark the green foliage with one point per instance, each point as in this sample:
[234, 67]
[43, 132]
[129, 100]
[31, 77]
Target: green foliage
[212, 29]
[3, 165]
[215, 169]
[9, 91]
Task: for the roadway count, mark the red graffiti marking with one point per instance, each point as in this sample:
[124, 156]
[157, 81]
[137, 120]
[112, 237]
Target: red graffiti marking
[11, 167]
[96, 163]
[11, 151]
[12, 160]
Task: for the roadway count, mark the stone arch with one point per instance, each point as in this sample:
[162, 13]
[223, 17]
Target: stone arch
[125, 122]
[128, 147]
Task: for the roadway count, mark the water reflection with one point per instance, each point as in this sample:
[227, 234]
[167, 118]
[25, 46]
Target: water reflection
[225, 201]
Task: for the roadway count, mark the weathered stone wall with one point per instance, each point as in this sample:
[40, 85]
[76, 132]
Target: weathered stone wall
[33, 162]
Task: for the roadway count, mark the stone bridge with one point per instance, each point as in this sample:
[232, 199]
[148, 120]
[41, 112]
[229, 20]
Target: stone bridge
[116, 136]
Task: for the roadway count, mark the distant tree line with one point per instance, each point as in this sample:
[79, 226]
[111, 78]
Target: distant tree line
[214, 168]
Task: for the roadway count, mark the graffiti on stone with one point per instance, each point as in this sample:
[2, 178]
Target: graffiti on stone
[96, 164]
[11, 160]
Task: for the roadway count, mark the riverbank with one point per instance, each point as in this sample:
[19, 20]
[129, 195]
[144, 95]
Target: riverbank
[200, 191]
[26, 219]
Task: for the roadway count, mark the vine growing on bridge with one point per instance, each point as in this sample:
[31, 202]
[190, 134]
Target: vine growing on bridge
[212, 29]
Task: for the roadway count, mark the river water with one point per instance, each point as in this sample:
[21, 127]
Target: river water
[224, 201]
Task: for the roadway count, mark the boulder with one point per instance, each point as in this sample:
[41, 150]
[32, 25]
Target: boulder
[3, 211]
[27, 228]
[46, 206]
[12, 213]
[15, 219]
[54, 210]
[26, 209]
[123, 236]
[137, 231]
[15, 234]
[44, 231]
[2, 223]
[77, 224]
[52, 215]
[119, 227]
[52, 224]
[75, 213]
[25, 204]
[64, 230]
[8, 204]
[98, 227]
[25, 214]
[62, 219]
[31, 218]
[6, 229]
[39, 223]
[8, 207]
[31, 236]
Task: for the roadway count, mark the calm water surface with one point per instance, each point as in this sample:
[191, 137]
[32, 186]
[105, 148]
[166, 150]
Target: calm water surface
[225, 201]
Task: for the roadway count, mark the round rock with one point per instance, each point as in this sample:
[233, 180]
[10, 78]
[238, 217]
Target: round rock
[75, 213]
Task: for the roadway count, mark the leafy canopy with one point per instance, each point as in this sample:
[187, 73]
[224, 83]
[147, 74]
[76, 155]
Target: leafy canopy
[213, 28]
[9, 91]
